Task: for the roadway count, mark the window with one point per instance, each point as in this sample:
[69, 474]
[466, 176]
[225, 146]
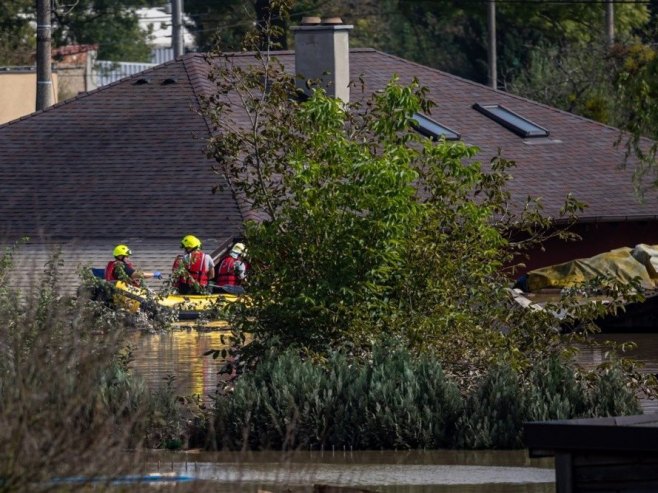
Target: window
[510, 120]
[434, 130]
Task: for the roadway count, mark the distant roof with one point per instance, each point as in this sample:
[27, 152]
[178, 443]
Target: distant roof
[128, 159]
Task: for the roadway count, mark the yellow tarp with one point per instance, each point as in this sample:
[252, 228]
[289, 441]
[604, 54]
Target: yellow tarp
[622, 264]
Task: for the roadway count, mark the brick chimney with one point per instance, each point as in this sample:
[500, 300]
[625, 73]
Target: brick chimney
[322, 53]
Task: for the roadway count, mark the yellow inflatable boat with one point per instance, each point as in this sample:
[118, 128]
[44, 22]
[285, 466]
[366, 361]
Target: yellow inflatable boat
[173, 309]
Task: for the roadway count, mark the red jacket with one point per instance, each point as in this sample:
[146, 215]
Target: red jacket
[112, 273]
[227, 274]
[195, 269]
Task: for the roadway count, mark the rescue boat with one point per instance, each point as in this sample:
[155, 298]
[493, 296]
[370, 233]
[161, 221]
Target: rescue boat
[173, 309]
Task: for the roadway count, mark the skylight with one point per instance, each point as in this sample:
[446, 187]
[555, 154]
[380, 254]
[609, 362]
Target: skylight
[432, 129]
[510, 120]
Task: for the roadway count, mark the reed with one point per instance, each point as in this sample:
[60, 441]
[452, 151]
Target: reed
[68, 404]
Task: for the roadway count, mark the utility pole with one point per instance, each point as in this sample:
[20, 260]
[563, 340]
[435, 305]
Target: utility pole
[491, 51]
[44, 71]
[177, 27]
[610, 22]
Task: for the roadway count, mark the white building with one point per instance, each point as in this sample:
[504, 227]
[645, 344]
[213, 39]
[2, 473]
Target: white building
[157, 22]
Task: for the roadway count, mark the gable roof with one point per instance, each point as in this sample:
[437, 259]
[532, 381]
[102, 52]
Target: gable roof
[128, 159]
[125, 160]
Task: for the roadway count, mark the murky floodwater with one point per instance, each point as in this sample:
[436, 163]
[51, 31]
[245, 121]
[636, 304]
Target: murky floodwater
[386, 471]
[181, 354]
[646, 353]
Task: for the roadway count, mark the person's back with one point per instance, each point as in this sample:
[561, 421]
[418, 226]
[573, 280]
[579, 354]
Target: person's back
[232, 269]
[193, 270]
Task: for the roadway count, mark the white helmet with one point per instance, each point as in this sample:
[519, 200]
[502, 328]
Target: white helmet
[238, 249]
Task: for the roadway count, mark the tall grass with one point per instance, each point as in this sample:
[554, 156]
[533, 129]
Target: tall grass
[68, 404]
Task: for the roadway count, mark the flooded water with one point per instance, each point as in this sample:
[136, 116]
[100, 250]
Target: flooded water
[180, 354]
[646, 353]
[386, 471]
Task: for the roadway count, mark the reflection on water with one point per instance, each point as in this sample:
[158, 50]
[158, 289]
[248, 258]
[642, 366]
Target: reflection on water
[178, 354]
[646, 353]
[181, 354]
[386, 471]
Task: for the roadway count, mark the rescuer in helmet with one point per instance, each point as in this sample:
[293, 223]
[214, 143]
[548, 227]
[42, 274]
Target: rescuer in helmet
[232, 270]
[194, 269]
[121, 269]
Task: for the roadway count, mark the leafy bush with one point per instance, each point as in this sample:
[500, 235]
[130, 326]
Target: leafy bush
[555, 392]
[397, 401]
[612, 395]
[494, 412]
[368, 228]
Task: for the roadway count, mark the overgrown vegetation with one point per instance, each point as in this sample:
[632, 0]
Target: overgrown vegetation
[69, 403]
[398, 401]
[369, 231]
[378, 313]
[369, 228]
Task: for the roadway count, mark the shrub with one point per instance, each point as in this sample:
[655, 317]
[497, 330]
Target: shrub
[67, 404]
[556, 391]
[398, 401]
[611, 394]
[292, 402]
[494, 412]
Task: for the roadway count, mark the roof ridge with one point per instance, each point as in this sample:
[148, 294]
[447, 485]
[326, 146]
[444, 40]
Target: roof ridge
[83, 95]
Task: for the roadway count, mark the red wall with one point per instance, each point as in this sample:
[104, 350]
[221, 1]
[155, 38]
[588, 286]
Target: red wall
[596, 238]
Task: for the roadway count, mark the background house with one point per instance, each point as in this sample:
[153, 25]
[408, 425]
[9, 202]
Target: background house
[126, 163]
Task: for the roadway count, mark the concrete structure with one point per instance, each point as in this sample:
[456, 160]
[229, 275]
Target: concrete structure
[18, 92]
[332, 69]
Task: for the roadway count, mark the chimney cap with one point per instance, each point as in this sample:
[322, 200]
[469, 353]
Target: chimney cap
[332, 21]
[310, 21]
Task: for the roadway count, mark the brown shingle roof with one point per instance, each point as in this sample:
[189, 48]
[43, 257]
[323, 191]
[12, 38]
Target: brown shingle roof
[125, 160]
[128, 160]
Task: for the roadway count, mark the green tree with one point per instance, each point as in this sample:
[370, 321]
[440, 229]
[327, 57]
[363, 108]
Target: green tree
[220, 21]
[369, 228]
[17, 36]
[637, 97]
[375, 242]
[227, 22]
[113, 25]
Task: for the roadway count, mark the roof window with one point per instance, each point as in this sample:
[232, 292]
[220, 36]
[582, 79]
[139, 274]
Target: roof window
[432, 129]
[510, 120]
